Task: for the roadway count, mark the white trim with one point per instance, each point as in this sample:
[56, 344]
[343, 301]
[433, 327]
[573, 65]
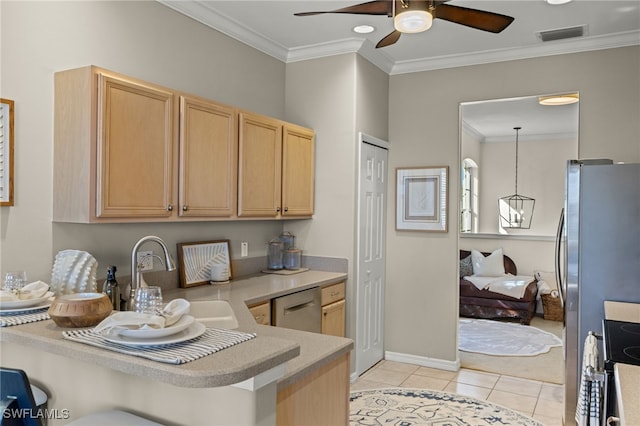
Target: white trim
[508, 236]
[584, 44]
[372, 140]
[262, 379]
[424, 361]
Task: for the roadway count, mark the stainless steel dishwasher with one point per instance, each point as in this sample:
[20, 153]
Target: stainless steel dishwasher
[300, 311]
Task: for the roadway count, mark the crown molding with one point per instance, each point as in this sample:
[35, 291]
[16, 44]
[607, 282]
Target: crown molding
[199, 11]
[551, 48]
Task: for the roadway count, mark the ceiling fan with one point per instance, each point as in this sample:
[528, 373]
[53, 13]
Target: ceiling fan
[414, 16]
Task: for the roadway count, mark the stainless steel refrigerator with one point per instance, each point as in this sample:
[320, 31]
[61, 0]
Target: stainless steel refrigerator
[598, 253]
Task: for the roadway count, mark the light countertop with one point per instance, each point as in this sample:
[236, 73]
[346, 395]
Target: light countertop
[302, 351]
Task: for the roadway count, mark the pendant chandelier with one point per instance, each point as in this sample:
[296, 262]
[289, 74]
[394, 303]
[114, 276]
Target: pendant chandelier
[516, 211]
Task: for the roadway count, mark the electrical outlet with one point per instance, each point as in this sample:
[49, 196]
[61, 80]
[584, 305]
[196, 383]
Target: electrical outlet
[244, 249]
[146, 257]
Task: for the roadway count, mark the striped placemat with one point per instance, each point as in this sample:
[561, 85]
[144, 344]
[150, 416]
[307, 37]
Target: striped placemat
[211, 341]
[7, 320]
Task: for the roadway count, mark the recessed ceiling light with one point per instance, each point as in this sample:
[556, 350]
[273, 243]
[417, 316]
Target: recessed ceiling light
[363, 29]
[558, 1]
[563, 99]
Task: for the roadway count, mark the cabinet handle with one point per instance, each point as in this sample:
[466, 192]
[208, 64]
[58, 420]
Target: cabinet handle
[612, 419]
[286, 209]
[278, 209]
[170, 207]
[185, 208]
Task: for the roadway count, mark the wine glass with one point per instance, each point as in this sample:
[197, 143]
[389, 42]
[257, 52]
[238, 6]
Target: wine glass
[15, 280]
[148, 300]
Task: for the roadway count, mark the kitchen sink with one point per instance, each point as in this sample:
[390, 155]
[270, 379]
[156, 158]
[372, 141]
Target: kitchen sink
[214, 313]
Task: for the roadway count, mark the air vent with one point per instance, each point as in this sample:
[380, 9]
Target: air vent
[561, 33]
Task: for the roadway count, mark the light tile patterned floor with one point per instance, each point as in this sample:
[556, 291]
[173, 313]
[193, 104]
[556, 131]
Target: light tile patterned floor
[540, 400]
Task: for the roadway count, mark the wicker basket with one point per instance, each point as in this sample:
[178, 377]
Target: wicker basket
[552, 308]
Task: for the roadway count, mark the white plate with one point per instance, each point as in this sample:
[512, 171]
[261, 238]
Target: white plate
[24, 303]
[25, 310]
[196, 329]
[153, 333]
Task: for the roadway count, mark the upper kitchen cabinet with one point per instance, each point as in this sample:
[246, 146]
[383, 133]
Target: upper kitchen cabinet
[208, 159]
[129, 150]
[113, 147]
[276, 168]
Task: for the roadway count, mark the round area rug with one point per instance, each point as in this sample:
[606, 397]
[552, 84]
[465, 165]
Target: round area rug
[408, 407]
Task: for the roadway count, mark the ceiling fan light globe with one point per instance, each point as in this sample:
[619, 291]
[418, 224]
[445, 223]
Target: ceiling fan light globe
[413, 21]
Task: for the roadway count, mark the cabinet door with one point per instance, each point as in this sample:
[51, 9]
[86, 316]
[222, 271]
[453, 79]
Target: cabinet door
[208, 159]
[261, 313]
[297, 171]
[134, 149]
[333, 318]
[259, 166]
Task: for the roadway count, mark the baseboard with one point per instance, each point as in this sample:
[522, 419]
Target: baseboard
[440, 364]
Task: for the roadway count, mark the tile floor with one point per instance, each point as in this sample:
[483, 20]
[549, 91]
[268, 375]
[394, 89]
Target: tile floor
[540, 400]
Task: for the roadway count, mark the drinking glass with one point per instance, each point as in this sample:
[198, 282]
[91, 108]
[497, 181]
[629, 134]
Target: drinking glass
[148, 300]
[15, 280]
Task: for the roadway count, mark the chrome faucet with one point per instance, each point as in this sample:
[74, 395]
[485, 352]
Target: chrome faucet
[137, 280]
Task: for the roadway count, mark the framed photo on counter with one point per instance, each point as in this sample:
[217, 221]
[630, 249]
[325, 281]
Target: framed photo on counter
[198, 260]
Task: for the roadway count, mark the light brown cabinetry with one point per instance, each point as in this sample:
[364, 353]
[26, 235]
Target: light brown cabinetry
[320, 398]
[275, 168]
[113, 147]
[261, 312]
[208, 158]
[126, 150]
[333, 309]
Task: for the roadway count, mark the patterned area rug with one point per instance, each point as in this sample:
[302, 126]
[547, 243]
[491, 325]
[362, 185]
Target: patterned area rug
[409, 407]
[504, 338]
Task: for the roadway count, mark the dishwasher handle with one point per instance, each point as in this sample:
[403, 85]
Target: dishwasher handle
[295, 308]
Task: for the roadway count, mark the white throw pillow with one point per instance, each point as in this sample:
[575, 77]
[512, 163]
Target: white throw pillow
[490, 266]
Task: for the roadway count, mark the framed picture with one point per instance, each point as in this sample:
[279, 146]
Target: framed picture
[6, 152]
[199, 259]
[422, 198]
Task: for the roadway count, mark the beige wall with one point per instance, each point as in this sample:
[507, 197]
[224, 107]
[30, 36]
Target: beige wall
[338, 97]
[422, 290]
[142, 39]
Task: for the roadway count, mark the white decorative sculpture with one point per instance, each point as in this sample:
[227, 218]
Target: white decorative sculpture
[74, 271]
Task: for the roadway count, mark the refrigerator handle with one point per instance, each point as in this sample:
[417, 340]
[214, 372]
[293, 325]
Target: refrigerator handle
[558, 260]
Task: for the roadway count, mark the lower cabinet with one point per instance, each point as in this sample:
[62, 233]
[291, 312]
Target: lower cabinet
[319, 398]
[261, 312]
[333, 309]
[333, 317]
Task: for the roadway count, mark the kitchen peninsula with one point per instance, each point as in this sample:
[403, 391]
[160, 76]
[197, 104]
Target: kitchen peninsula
[245, 384]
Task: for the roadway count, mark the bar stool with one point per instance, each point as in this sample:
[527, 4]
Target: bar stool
[18, 396]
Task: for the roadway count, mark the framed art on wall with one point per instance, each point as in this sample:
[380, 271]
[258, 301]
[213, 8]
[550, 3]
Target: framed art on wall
[422, 194]
[199, 259]
[6, 152]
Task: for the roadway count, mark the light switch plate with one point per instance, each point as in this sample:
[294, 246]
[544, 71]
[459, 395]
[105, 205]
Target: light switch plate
[146, 257]
[244, 249]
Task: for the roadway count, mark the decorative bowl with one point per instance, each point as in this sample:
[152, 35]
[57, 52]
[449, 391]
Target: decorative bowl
[80, 309]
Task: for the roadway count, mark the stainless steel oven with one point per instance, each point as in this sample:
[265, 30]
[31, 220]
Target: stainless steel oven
[300, 311]
[621, 342]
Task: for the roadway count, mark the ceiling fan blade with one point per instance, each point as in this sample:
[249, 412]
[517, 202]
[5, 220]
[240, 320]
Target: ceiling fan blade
[377, 7]
[389, 39]
[474, 18]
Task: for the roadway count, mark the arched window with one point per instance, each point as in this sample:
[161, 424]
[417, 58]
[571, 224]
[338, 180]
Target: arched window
[469, 196]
